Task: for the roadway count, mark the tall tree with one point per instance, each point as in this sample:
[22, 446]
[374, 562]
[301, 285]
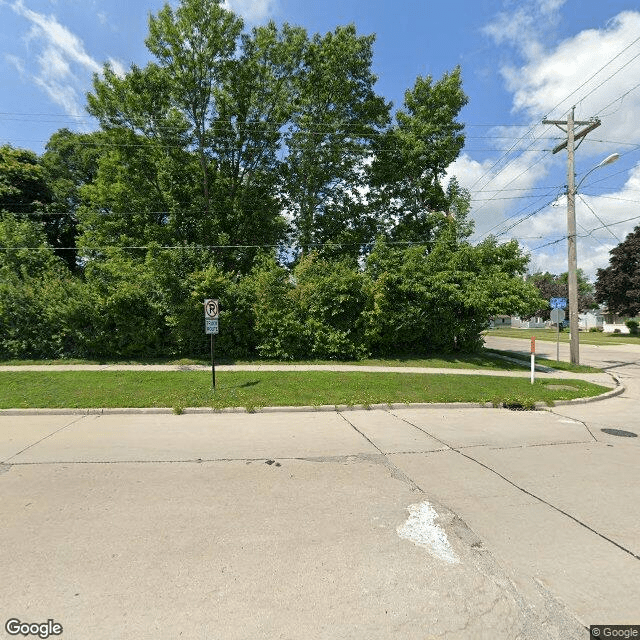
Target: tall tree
[194, 45]
[196, 134]
[329, 140]
[70, 161]
[23, 186]
[412, 156]
[618, 285]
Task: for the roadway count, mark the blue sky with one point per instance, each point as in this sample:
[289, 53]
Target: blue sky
[521, 62]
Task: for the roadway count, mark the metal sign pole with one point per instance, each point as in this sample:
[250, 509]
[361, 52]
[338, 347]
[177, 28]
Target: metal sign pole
[558, 341]
[211, 311]
[213, 366]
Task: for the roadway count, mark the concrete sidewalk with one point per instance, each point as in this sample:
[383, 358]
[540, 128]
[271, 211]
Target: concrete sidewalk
[541, 372]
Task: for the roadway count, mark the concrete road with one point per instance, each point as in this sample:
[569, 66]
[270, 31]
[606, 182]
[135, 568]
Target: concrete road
[413, 523]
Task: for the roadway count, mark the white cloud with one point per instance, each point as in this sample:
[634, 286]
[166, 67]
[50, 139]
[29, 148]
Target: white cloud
[252, 10]
[118, 68]
[602, 222]
[493, 186]
[48, 28]
[63, 63]
[18, 63]
[596, 70]
[523, 26]
[547, 81]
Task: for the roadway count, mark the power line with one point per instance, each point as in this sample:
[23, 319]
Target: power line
[81, 249]
[613, 224]
[597, 217]
[546, 204]
[532, 129]
[548, 244]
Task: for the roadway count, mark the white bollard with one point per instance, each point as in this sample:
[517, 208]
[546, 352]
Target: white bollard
[533, 360]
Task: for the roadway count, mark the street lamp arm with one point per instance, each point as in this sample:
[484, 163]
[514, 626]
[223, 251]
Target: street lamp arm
[608, 160]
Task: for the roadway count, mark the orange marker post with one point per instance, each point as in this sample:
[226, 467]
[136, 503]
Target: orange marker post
[533, 359]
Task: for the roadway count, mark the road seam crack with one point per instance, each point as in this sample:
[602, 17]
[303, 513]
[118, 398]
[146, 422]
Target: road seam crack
[395, 472]
[523, 490]
[50, 435]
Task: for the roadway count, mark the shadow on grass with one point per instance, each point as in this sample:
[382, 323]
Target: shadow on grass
[244, 385]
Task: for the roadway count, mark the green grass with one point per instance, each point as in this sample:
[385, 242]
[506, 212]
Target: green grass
[483, 360]
[175, 389]
[586, 337]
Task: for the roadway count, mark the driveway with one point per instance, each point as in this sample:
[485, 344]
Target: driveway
[411, 523]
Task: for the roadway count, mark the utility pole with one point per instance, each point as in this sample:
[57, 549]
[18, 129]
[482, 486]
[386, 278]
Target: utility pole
[572, 272]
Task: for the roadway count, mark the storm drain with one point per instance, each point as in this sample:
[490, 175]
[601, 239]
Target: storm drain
[620, 432]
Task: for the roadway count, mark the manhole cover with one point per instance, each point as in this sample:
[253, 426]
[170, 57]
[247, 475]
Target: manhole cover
[620, 432]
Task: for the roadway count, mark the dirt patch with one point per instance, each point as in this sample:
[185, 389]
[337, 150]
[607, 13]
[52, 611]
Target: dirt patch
[561, 387]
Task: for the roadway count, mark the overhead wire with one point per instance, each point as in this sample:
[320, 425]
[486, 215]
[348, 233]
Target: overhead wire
[597, 217]
[532, 128]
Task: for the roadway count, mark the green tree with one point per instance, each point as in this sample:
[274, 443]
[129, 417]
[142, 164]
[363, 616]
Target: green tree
[127, 315]
[70, 161]
[196, 135]
[25, 192]
[37, 294]
[194, 46]
[440, 300]
[329, 141]
[314, 312]
[557, 286]
[618, 285]
[23, 187]
[411, 158]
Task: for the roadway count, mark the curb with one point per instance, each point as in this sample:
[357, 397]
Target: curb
[209, 410]
[619, 389]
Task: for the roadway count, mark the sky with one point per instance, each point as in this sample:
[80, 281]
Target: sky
[522, 62]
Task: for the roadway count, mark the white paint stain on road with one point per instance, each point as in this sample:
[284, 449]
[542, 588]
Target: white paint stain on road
[421, 529]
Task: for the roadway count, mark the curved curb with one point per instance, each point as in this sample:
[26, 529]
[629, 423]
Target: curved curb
[618, 390]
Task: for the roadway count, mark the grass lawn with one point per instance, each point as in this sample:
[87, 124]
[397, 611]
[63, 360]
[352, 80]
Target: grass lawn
[252, 389]
[586, 337]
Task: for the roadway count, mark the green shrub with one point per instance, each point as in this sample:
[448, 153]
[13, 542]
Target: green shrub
[633, 327]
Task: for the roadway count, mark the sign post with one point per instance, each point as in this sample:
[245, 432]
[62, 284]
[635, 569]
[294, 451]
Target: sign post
[557, 316]
[558, 305]
[533, 359]
[211, 327]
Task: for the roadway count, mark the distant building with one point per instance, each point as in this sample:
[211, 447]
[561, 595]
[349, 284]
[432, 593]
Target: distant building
[530, 323]
[591, 320]
[497, 322]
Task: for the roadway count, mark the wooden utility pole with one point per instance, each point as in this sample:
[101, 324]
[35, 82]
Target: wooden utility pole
[569, 143]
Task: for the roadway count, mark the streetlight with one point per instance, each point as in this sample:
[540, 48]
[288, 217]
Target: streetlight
[574, 347]
[608, 160]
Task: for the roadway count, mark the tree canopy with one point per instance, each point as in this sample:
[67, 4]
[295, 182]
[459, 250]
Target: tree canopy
[260, 167]
[618, 285]
[552, 285]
